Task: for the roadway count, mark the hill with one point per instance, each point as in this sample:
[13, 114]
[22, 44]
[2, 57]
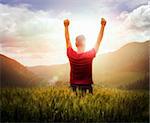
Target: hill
[14, 74]
[125, 65]
[132, 57]
[128, 64]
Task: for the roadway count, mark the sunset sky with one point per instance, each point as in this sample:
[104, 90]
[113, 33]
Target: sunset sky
[32, 31]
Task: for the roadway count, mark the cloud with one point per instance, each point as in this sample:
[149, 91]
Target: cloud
[128, 26]
[138, 19]
[28, 27]
[78, 6]
[136, 22]
[30, 34]
[14, 20]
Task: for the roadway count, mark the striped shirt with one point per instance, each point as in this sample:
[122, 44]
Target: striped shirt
[81, 66]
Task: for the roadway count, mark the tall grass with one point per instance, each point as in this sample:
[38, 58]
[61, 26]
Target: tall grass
[61, 104]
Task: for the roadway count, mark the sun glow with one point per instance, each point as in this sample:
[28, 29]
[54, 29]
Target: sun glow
[90, 29]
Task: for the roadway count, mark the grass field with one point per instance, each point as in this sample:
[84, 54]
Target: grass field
[61, 104]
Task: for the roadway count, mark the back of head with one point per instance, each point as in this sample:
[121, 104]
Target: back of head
[80, 41]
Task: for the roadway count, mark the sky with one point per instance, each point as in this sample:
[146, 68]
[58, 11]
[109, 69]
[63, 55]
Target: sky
[32, 31]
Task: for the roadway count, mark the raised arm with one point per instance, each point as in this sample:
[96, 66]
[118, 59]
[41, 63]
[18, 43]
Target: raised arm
[68, 42]
[100, 35]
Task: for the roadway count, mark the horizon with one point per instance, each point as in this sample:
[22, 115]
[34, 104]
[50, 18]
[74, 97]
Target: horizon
[43, 65]
[32, 32]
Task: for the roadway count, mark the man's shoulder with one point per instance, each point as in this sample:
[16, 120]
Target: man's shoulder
[70, 51]
[90, 53]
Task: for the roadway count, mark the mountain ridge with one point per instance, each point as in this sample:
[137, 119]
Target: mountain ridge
[14, 74]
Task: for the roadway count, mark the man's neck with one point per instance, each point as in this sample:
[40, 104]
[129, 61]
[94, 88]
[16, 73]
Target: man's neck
[80, 50]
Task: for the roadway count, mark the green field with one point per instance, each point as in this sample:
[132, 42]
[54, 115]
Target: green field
[61, 104]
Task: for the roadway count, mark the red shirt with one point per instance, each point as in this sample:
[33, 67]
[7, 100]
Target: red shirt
[81, 66]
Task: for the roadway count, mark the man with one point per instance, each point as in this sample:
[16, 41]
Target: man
[81, 61]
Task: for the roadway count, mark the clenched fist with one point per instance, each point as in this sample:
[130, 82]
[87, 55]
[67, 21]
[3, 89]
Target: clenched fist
[103, 22]
[66, 22]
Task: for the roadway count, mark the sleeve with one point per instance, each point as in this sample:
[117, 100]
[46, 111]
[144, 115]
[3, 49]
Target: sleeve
[69, 51]
[91, 53]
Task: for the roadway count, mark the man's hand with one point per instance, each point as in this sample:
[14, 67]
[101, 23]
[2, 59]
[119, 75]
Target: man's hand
[66, 22]
[103, 22]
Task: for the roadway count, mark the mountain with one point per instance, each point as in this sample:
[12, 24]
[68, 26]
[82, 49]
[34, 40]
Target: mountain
[125, 65]
[132, 57]
[14, 74]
